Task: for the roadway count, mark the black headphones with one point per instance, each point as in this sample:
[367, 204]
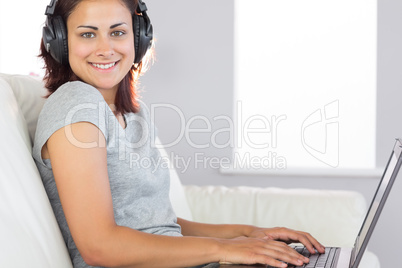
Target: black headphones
[54, 33]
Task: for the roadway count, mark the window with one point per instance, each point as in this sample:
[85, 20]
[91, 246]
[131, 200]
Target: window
[305, 80]
[21, 25]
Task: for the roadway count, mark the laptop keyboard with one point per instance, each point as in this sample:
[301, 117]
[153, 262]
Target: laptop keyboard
[316, 260]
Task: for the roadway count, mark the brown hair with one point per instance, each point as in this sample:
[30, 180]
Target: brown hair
[57, 74]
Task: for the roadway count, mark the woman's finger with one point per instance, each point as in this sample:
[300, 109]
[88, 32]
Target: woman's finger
[311, 243]
[290, 236]
[283, 252]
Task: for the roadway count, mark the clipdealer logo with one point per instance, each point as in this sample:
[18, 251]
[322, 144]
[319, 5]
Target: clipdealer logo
[239, 131]
[323, 123]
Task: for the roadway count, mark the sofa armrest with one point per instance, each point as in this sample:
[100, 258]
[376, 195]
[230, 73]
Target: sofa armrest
[333, 217]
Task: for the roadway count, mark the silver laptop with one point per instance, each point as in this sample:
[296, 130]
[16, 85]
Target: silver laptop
[347, 257]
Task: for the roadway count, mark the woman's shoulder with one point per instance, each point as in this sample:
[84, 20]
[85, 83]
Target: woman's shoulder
[71, 103]
[75, 90]
[72, 96]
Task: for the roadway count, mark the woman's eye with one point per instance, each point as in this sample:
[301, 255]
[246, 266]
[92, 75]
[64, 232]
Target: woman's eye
[118, 33]
[88, 35]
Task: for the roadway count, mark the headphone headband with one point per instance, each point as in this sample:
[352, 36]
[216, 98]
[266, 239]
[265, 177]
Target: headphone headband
[50, 8]
[142, 7]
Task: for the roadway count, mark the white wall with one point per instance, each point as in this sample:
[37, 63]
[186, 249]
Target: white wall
[194, 72]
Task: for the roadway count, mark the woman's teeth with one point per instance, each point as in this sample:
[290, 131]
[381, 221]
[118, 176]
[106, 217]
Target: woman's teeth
[104, 66]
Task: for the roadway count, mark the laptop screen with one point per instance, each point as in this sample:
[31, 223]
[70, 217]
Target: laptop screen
[377, 204]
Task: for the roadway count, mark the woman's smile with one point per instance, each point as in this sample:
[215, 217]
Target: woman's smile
[104, 66]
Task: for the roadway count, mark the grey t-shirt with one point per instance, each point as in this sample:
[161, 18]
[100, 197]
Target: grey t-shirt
[139, 180]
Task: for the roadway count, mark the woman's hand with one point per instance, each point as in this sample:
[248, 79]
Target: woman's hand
[288, 236]
[246, 250]
[247, 244]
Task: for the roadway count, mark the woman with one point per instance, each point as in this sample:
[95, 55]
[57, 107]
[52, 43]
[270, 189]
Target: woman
[111, 214]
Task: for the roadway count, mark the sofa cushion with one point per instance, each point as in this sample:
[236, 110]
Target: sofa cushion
[30, 236]
[29, 93]
[319, 212]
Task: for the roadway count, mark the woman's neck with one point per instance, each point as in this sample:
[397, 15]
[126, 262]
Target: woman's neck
[109, 95]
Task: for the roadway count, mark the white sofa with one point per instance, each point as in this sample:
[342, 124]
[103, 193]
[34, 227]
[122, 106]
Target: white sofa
[29, 234]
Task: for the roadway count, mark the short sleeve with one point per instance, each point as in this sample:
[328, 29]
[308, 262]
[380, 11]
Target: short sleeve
[73, 102]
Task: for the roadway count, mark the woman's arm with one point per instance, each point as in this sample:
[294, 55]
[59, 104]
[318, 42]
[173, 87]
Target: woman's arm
[79, 162]
[236, 230]
[190, 228]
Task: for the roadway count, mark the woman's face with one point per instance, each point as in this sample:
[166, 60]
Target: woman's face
[101, 42]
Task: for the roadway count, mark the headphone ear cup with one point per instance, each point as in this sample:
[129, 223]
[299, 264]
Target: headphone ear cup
[61, 38]
[143, 34]
[136, 28]
[54, 37]
[47, 35]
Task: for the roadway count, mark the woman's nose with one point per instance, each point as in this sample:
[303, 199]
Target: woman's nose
[105, 48]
